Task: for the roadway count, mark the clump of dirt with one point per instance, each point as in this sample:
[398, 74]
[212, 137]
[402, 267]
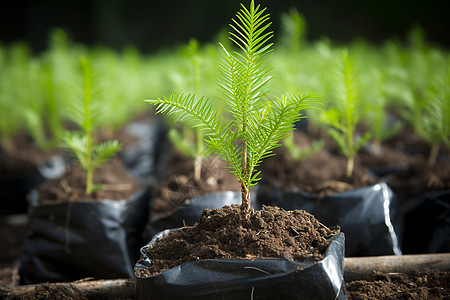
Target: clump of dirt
[117, 184]
[224, 233]
[431, 285]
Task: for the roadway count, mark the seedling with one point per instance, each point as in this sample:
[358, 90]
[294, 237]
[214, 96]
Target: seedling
[431, 112]
[380, 127]
[346, 114]
[255, 125]
[11, 64]
[191, 140]
[81, 144]
[293, 39]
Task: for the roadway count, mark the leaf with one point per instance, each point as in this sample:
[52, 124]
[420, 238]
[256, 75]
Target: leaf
[76, 144]
[181, 142]
[104, 152]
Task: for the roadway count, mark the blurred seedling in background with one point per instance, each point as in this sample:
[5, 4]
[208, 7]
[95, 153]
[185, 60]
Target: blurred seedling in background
[81, 143]
[293, 39]
[345, 113]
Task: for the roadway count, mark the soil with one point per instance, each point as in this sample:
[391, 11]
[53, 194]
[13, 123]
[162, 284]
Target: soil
[117, 184]
[177, 184]
[404, 160]
[430, 285]
[401, 163]
[225, 233]
[23, 156]
[12, 232]
[418, 178]
[323, 173]
[406, 153]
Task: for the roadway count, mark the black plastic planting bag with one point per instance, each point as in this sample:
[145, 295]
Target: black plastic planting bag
[74, 240]
[369, 217]
[189, 213]
[142, 157]
[247, 279]
[14, 189]
[427, 224]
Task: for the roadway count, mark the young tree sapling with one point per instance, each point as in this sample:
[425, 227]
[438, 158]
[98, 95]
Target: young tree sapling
[293, 39]
[81, 144]
[190, 141]
[256, 125]
[346, 114]
[432, 111]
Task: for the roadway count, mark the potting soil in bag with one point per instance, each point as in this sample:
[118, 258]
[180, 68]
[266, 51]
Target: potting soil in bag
[427, 224]
[189, 213]
[247, 279]
[369, 217]
[74, 240]
[14, 189]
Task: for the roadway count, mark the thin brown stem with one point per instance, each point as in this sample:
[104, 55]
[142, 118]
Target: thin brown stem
[433, 155]
[245, 196]
[350, 166]
[198, 169]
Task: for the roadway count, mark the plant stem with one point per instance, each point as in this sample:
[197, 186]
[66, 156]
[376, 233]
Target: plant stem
[198, 133]
[89, 180]
[350, 165]
[198, 156]
[245, 191]
[433, 154]
[245, 198]
[377, 148]
[87, 81]
[349, 116]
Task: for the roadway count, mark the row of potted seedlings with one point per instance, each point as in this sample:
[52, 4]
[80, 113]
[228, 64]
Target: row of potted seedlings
[103, 238]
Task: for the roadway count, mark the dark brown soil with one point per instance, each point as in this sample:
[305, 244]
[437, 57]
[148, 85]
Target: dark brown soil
[178, 185]
[408, 173]
[24, 155]
[430, 285]
[117, 184]
[50, 291]
[419, 178]
[388, 286]
[12, 232]
[323, 173]
[404, 162]
[225, 233]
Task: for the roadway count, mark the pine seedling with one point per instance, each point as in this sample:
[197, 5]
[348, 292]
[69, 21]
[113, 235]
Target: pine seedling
[346, 114]
[432, 111]
[297, 153]
[43, 116]
[81, 144]
[11, 64]
[293, 38]
[255, 126]
[48, 78]
[377, 120]
[191, 140]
